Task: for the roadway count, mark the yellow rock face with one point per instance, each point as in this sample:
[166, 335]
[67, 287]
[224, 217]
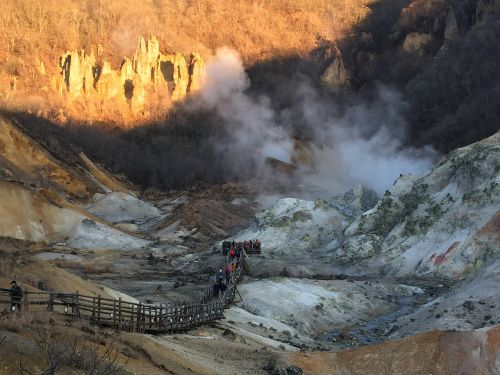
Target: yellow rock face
[196, 72]
[149, 72]
[77, 70]
[336, 77]
[108, 84]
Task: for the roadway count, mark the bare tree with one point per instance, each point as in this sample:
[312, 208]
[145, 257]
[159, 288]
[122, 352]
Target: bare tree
[82, 358]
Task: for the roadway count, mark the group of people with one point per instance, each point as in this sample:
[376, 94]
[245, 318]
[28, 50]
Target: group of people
[234, 248]
[225, 276]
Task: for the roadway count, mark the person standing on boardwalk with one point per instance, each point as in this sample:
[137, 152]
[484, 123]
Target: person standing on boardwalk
[219, 277]
[239, 249]
[16, 295]
[232, 254]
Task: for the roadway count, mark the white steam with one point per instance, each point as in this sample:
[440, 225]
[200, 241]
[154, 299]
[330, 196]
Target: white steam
[364, 145]
[358, 144]
[253, 129]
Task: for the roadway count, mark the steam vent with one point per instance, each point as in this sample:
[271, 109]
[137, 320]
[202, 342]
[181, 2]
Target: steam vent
[85, 74]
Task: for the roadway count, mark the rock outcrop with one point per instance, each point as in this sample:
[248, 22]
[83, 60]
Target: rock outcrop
[172, 69]
[440, 224]
[294, 227]
[78, 72]
[451, 31]
[484, 9]
[149, 71]
[336, 77]
[196, 71]
[416, 42]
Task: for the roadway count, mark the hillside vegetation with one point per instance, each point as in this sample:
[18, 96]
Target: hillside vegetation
[38, 32]
[439, 54]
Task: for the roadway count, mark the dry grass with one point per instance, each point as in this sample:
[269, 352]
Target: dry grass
[256, 28]
[14, 322]
[77, 348]
[12, 268]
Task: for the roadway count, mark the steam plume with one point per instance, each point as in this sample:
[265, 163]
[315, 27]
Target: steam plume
[253, 133]
[361, 143]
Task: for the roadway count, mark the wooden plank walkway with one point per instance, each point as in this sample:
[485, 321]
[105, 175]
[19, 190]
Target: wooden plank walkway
[132, 317]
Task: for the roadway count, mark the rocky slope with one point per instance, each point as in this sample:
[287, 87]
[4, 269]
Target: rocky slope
[21, 159]
[441, 224]
[442, 55]
[44, 199]
[438, 230]
[292, 226]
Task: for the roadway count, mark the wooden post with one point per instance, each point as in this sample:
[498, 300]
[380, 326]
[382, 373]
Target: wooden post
[170, 317]
[160, 320]
[149, 317]
[26, 300]
[120, 317]
[114, 313]
[139, 309]
[50, 304]
[77, 304]
[93, 310]
[131, 321]
[143, 318]
[183, 315]
[99, 310]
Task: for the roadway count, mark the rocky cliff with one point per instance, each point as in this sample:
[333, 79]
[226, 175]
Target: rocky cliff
[441, 224]
[441, 54]
[150, 75]
[439, 229]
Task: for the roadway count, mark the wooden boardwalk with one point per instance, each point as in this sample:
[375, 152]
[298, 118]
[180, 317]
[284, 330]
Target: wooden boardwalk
[132, 317]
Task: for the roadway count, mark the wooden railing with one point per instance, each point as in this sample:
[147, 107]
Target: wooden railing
[129, 316]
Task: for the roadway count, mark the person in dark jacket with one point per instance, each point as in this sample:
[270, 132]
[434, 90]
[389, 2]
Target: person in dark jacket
[16, 295]
[239, 249]
[219, 277]
[222, 287]
[215, 290]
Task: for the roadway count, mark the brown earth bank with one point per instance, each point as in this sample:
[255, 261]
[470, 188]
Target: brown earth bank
[51, 164]
[476, 352]
[77, 348]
